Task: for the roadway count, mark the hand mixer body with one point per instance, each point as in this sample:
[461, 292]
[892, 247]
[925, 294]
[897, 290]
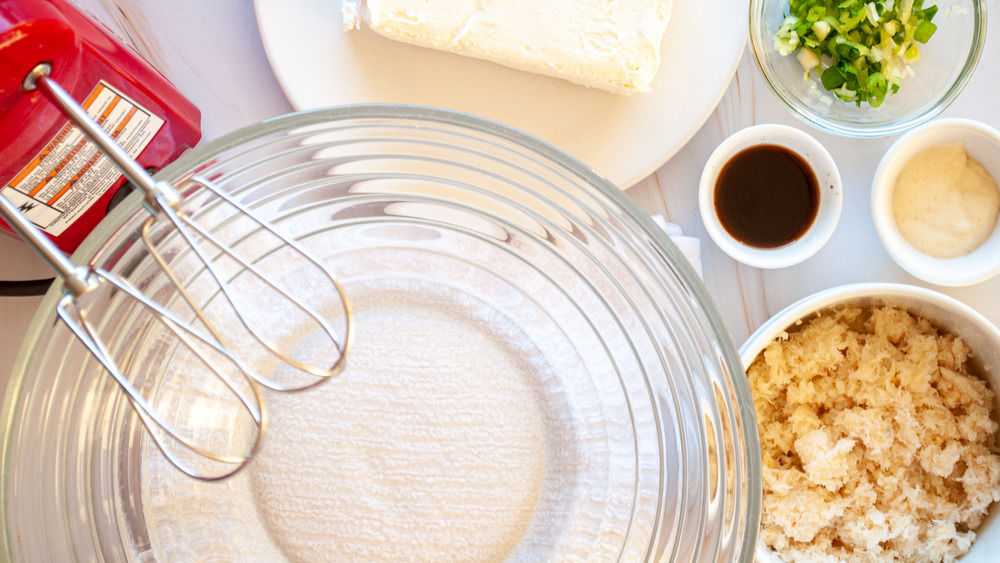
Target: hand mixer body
[47, 167]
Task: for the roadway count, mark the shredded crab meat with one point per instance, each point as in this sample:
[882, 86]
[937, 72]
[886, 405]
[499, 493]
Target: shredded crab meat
[877, 441]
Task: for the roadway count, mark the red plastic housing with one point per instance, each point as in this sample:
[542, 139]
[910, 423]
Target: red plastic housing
[82, 53]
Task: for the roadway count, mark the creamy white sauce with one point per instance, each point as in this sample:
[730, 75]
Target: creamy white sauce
[944, 202]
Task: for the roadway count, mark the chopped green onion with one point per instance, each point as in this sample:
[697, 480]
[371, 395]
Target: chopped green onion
[877, 89]
[860, 49]
[832, 78]
[924, 32]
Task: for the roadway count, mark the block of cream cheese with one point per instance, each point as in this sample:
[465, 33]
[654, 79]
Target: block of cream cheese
[609, 44]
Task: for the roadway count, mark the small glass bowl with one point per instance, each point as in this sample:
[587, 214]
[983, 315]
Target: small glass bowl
[946, 64]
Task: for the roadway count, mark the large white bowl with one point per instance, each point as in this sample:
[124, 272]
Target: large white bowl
[945, 312]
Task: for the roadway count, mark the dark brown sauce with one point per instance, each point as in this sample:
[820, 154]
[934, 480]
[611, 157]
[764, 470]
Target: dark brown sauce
[766, 196]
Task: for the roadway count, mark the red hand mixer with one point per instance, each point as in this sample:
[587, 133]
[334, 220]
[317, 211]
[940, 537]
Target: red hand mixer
[64, 162]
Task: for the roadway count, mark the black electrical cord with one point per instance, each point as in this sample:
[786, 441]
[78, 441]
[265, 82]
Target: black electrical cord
[25, 288]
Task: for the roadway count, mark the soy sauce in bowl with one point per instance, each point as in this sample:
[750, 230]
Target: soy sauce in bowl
[770, 195]
[766, 196]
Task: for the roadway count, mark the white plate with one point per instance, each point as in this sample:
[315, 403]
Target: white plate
[623, 138]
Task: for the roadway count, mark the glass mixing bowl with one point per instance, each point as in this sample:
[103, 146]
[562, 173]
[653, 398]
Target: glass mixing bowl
[537, 373]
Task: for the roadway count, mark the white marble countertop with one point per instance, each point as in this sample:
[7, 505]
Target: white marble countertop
[213, 53]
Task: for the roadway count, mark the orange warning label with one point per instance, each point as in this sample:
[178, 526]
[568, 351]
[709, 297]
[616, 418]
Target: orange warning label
[67, 176]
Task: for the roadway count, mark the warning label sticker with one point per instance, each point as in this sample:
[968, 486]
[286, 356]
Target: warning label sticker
[71, 173]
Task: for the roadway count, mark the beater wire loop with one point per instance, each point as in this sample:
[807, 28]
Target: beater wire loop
[203, 407]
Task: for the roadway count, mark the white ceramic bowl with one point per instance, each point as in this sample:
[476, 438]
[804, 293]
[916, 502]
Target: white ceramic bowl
[830, 190]
[982, 143]
[947, 313]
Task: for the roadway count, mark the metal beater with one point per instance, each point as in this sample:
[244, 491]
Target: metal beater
[235, 363]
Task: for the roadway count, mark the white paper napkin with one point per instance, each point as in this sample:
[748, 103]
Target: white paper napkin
[689, 246]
